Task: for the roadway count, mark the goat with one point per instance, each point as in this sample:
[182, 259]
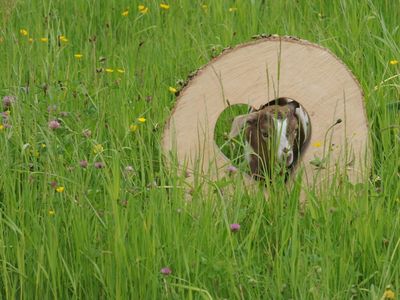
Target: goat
[275, 134]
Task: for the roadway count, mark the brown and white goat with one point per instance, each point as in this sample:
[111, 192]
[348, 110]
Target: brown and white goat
[276, 134]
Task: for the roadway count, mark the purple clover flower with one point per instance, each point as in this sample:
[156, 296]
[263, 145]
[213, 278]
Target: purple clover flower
[83, 163]
[235, 227]
[231, 170]
[8, 101]
[99, 165]
[166, 271]
[54, 124]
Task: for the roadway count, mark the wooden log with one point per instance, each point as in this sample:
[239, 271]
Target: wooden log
[256, 73]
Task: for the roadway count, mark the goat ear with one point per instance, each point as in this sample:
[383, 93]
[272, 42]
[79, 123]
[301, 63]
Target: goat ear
[239, 122]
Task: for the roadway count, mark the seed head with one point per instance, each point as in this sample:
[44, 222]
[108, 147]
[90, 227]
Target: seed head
[87, 133]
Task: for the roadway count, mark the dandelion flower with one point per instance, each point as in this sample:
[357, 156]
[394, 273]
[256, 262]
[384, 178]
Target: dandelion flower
[60, 189]
[120, 70]
[44, 40]
[172, 90]
[54, 124]
[166, 271]
[141, 120]
[388, 294]
[133, 127]
[317, 144]
[78, 56]
[394, 62]
[125, 13]
[62, 38]
[232, 9]
[98, 148]
[43, 146]
[108, 70]
[30, 40]
[51, 212]
[23, 32]
[235, 227]
[143, 9]
[1, 127]
[164, 6]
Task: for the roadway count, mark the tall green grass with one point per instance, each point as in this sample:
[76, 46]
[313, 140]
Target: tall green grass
[112, 230]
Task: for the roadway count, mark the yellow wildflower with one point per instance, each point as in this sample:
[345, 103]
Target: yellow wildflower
[44, 40]
[51, 212]
[133, 127]
[232, 9]
[120, 70]
[43, 146]
[60, 189]
[30, 40]
[204, 6]
[317, 144]
[143, 9]
[62, 38]
[1, 127]
[108, 70]
[98, 148]
[164, 6]
[172, 90]
[388, 294]
[125, 13]
[24, 32]
[394, 62]
[141, 120]
[78, 56]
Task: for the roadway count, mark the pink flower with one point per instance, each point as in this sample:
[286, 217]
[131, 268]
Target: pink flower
[99, 165]
[166, 271]
[231, 170]
[83, 163]
[54, 124]
[8, 101]
[235, 227]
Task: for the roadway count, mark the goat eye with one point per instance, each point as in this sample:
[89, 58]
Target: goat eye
[265, 134]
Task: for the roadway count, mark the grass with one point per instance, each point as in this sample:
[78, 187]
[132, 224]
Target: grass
[112, 230]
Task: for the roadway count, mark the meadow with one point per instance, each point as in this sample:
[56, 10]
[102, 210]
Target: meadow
[88, 209]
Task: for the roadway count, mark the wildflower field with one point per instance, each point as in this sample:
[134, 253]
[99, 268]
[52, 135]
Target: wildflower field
[88, 209]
